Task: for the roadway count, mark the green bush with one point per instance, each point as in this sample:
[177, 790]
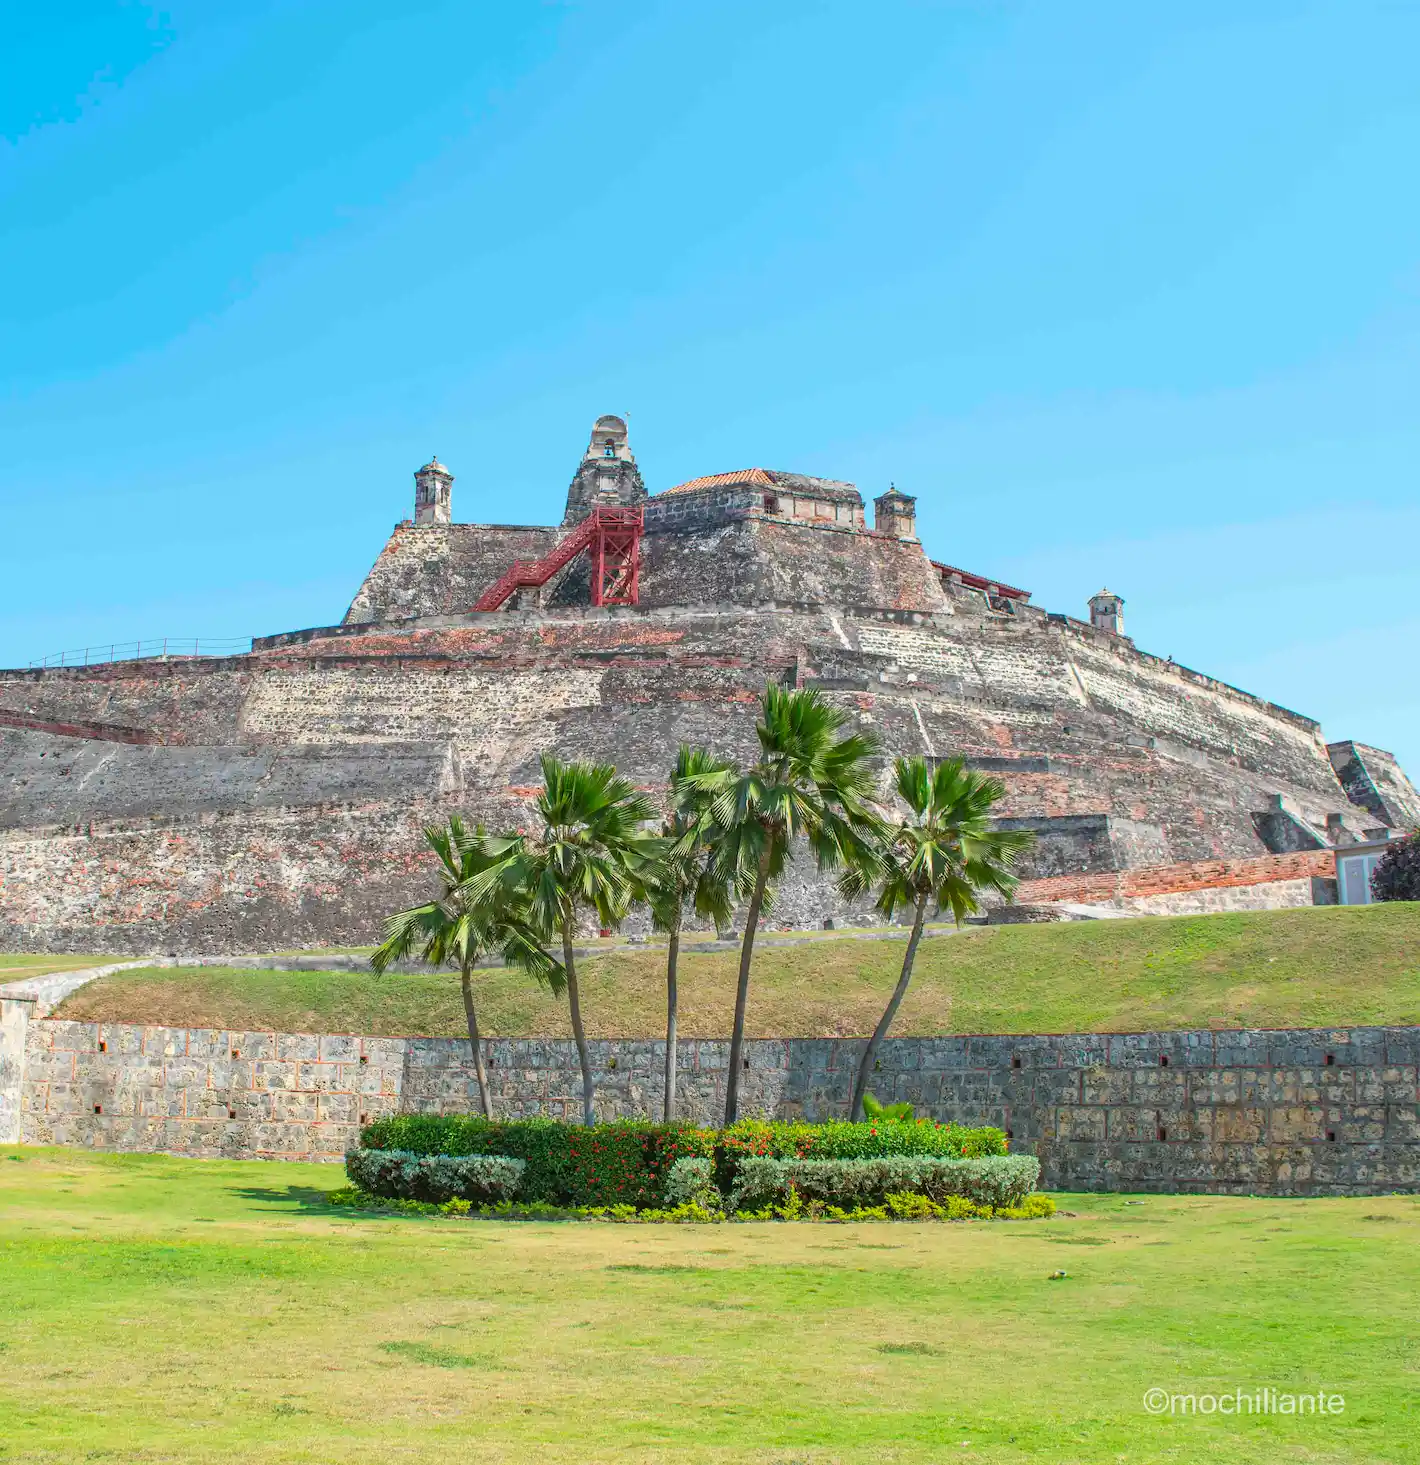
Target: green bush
[994, 1181]
[630, 1163]
[402, 1175]
[1397, 872]
[691, 1181]
[900, 1206]
[626, 1163]
[841, 1140]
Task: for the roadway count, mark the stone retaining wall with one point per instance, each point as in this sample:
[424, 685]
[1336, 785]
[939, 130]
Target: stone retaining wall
[1251, 1111]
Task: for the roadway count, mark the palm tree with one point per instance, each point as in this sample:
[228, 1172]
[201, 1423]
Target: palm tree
[811, 782]
[589, 855]
[687, 875]
[459, 932]
[943, 851]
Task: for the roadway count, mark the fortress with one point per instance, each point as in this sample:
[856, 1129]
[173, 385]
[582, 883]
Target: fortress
[275, 798]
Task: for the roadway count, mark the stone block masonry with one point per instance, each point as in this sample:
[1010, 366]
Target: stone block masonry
[264, 800]
[1280, 1112]
[280, 799]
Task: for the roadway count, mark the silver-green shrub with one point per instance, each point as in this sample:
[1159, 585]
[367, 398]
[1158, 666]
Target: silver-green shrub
[402, 1175]
[991, 1180]
[691, 1181]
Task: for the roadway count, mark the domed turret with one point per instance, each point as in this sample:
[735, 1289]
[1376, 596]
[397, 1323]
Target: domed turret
[433, 493]
[1107, 612]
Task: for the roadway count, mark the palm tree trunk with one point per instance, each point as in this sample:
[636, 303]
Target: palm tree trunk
[865, 1067]
[737, 1038]
[473, 1040]
[574, 1001]
[672, 956]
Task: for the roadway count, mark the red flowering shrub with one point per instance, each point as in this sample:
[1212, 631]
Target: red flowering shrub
[627, 1163]
[567, 1165]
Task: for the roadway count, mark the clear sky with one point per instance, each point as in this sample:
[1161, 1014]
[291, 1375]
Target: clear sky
[1125, 294]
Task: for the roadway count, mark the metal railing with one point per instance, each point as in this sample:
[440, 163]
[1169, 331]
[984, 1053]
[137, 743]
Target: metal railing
[164, 649]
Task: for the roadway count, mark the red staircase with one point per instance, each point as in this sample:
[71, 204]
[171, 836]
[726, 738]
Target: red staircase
[614, 538]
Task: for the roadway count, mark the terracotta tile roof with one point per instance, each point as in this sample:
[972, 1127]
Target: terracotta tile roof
[756, 476]
[980, 582]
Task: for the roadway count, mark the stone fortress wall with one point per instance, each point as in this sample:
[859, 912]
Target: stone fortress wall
[1245, 1112]
[275, 799]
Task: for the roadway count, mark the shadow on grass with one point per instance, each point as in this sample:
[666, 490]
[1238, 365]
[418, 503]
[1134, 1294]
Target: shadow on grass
[304, 1199]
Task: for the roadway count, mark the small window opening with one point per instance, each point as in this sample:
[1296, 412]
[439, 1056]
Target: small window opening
[364, 1119]
[746, 1062]
[1163, 1134]
[1015, 1062]
[1331, 1135]
[1330, 1059]
[231, 1113]
[98, 1108]
[1163, 1060]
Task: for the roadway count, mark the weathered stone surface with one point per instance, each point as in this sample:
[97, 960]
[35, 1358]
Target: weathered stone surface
[1101, 1111]
[284, 804]
[275, 799]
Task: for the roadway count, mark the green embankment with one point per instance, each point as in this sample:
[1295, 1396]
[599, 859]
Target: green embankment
[1317, 967]
[156, 1309]
[17, 968]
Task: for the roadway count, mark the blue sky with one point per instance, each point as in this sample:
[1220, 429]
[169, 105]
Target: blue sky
[1125, 294]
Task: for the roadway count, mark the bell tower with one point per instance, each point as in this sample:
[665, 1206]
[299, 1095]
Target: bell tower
[608, 473]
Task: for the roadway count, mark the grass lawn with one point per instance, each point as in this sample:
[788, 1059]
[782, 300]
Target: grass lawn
[1333, 966]
[16, 968]
[157, 1309]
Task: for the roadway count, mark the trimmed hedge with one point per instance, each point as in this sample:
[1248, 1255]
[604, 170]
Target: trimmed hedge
[841, 1140]
[995, 1181]
[400, 1175]
[625, 1163]
[629, 1163]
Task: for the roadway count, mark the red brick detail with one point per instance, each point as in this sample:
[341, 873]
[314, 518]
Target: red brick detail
[1173, 879]
[104, 732]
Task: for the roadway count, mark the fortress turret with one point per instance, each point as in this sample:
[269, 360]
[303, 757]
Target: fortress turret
[608, 473]
[433, 493]
[895, 514]
[1107, 612]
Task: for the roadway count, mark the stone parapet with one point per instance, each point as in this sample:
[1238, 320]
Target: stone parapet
[1255, 1111]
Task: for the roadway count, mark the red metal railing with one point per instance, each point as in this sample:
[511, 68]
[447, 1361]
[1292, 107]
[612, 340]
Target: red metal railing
[614, 538]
